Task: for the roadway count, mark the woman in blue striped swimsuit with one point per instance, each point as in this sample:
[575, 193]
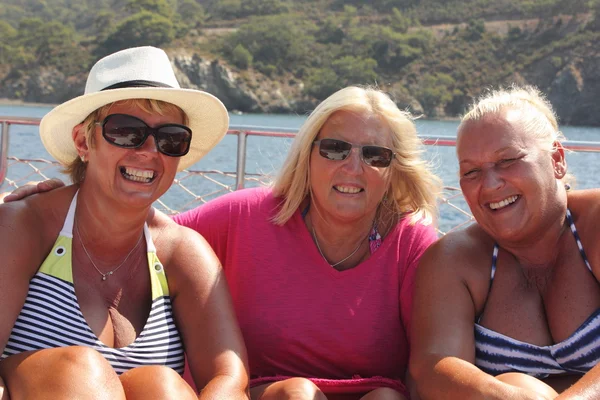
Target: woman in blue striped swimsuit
[509, 307]
[100, 293]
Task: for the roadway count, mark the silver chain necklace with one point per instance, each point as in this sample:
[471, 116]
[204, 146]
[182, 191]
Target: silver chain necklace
[322, 255]
[106, 275]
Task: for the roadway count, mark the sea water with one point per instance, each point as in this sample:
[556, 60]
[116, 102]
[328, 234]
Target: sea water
[265, 155]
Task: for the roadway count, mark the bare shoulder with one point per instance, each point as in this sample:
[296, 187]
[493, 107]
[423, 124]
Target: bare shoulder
[459, 251]
[17, 219]
[459, 259]
[585, 210]
[585, 204]
[29, 227]
[36, 215]
[164, 227]
[181, 249]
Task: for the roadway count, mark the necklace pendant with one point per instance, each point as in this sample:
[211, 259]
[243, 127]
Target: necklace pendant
[103, 277]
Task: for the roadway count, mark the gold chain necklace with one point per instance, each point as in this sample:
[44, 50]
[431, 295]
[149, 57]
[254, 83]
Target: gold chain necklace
[339, 262]
[106, 275]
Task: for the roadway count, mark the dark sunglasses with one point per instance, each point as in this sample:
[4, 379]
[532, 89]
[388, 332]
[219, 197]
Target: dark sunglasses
[130, 132]
[375, 156]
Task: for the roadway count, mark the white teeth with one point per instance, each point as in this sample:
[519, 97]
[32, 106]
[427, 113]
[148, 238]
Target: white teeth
[138, 175]
[503, 203]
[347, 189]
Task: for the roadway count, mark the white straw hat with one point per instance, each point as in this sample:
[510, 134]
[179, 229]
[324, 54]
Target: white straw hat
[136, 73]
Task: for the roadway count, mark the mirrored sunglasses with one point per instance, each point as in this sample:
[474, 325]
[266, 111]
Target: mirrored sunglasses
[374, 156]
[130, 132]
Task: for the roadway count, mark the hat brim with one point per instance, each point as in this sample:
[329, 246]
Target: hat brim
[208, 119]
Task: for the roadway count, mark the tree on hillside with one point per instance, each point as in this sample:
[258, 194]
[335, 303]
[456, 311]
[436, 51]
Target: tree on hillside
[7, 37]
[11, 14]
[344, 71]
[160, 7]
[475, 29]
[355, 71]
[350, 16]
[226, 9]
[241, 57]
[399, 22]
[321, 83]
[277, 41]
[594, 23]
[391, 49]
[191, 13]
[141, 29]
[379, 5]
[405, 48]
[51, 44]
[330, 31]
[230, 9]
[434, 91]
[104, 24]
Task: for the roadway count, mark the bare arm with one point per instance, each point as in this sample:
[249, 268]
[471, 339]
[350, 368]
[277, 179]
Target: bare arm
[585, 206]
[207, 321]
[586, 388]
[31, 188]
[443, 344]
[3, 391]
[20, 252]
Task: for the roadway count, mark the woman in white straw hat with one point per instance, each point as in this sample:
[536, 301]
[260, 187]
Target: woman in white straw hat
[101, 294]
[322, 287]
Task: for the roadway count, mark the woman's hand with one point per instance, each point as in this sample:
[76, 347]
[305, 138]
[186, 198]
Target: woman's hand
[3, 391]
[31, 188]
[527, 387]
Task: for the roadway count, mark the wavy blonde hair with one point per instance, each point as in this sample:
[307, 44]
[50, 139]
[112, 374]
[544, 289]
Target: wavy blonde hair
[76, 168]
[537, 115]
[413, 187]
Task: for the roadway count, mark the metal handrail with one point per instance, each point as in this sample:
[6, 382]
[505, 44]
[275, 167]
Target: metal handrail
[3, 151]
[243, 131]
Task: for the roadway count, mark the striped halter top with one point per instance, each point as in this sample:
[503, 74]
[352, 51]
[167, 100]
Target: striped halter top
[496, 353]
[51, 316]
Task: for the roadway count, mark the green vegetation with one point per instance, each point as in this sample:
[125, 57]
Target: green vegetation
[325, 44]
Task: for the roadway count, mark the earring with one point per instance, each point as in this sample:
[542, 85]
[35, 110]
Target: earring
[82, 158]
[567, 187]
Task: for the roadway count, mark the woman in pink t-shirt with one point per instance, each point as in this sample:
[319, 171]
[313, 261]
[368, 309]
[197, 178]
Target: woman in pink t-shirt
[321, 266]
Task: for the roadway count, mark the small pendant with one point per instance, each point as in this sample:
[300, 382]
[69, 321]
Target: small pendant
[103, 277]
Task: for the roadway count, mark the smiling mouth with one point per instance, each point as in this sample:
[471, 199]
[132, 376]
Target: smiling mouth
[348, 189]
[504, 203]
[137, 175]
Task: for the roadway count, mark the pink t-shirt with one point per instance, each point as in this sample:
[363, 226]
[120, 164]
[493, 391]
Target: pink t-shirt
[298, 315]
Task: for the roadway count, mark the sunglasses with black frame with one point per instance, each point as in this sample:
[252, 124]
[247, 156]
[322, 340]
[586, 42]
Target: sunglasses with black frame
[129, 132]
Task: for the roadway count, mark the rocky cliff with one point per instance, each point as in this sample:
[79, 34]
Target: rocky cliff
[572, 86]
[571, 80]
[243, 92]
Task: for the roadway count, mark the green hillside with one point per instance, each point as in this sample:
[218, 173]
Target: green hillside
[433, 56]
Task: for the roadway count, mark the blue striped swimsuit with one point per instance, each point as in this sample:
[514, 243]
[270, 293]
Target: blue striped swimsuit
[51, 316]
[496, 353]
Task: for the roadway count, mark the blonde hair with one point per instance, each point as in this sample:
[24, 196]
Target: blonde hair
[76, 168]
[413, 187]
[537, 116]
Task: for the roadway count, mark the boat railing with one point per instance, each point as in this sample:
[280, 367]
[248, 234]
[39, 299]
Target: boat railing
[193, 187]
[3, 150]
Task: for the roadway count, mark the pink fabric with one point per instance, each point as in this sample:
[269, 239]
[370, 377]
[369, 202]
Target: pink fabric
[353, 385]
[299, 316]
